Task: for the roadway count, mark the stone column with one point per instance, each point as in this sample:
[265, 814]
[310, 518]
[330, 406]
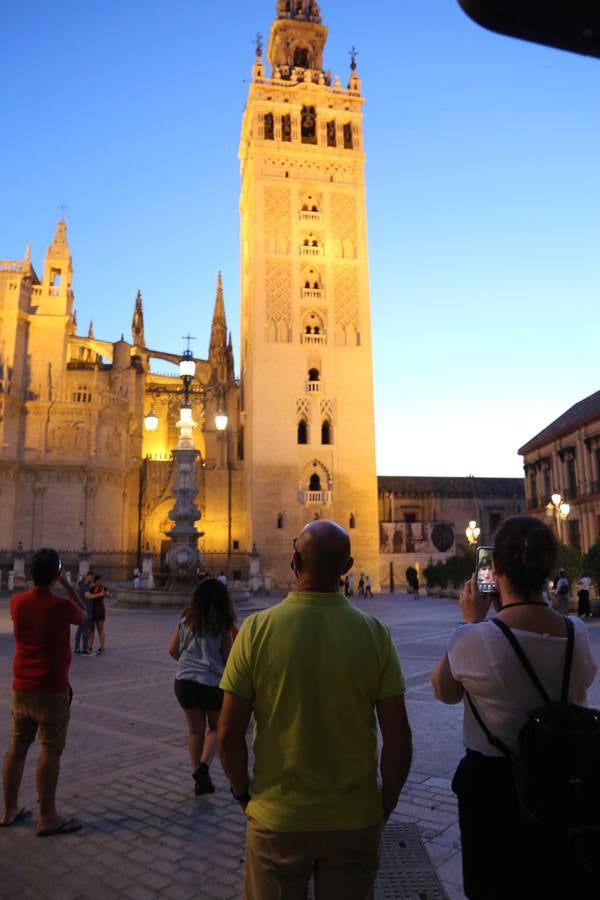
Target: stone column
[184, 557]
[147, 573]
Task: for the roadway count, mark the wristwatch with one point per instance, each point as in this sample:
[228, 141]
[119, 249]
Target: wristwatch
[241, 798]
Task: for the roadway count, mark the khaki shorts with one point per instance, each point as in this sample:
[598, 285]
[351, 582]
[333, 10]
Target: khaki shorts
[279, 864]
[49, 713]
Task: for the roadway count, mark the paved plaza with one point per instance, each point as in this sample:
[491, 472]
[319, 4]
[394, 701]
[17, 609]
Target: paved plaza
[125, 772]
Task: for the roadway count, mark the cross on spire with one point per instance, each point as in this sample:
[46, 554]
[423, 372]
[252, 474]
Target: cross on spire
[353, 53]
[188, 337]
[258, 40]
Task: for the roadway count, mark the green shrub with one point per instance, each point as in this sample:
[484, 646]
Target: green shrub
[412, 577]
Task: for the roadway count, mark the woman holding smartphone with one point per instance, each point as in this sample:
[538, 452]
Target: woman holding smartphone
[504, 853]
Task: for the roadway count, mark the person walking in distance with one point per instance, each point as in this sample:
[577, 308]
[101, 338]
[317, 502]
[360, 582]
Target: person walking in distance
[201, 643]
[562, 593]
[317, 672]
[583, 595]
[82, 635]
[41, 694]
[98, 593]
[369, 587]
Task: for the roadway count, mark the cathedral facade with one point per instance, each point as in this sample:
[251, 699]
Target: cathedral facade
[79, 470]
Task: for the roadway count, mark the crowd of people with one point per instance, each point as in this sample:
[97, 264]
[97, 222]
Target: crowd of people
[318, 675]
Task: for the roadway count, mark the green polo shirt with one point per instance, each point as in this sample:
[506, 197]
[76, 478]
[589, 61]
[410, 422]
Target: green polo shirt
[314, 667]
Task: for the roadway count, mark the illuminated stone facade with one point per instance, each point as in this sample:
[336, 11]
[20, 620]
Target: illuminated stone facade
[307, 386]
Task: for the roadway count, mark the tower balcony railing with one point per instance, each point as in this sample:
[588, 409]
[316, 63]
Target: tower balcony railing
[309, 215]
[314, 339]
[313, 387]
[312, 293]
[314, 498]
[311, 251]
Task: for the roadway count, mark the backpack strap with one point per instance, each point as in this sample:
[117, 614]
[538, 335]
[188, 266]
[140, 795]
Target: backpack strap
[494, 741]
[507, 632]
[564, 691]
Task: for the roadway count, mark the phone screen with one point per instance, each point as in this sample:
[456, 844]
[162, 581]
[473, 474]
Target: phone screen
[485, 577]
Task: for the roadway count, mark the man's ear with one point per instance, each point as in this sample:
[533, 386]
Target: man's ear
[348, 566]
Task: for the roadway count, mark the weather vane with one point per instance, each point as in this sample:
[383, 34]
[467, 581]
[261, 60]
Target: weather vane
[259, 43]
[62, 206]
[353, 53]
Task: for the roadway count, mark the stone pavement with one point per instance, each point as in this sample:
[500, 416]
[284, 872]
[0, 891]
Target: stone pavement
[125, 772]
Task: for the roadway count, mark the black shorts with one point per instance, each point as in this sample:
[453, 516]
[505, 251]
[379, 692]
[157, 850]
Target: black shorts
[193, 695]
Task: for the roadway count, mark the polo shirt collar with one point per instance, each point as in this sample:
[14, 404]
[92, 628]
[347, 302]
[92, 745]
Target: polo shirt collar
[316, 598]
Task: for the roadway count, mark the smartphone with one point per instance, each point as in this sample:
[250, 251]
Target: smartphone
[485, 577]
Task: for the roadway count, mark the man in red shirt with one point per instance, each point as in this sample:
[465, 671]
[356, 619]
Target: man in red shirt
[41, 694]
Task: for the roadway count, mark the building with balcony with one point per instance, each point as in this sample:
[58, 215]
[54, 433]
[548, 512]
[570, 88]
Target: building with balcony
[564, 458]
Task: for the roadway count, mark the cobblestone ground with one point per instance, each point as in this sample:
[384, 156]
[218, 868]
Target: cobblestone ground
[125, 773]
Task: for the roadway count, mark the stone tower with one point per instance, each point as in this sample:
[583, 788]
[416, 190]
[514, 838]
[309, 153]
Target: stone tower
[307, 385]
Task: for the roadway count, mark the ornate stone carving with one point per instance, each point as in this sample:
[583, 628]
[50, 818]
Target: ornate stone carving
[303, 408]
[327, 409]
[277, 219]
[345, 283]
[343, 217]
[278, 282]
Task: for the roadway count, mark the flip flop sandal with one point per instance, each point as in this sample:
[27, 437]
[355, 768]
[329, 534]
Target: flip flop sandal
[66, 827]
[22, 814]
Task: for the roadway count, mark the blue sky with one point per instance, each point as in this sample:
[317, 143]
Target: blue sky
[483, 198]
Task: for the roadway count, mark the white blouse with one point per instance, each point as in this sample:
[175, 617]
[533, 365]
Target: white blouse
[482, 659]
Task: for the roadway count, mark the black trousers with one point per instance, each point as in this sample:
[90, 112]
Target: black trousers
[583, 606]
[505, 855]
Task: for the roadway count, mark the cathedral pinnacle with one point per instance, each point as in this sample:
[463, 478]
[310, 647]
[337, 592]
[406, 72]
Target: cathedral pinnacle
[59, 248]
[218, 332]
[137, 323]
[91, 335]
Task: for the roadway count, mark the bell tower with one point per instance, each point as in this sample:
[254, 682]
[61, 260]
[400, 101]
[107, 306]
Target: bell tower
[307, 384]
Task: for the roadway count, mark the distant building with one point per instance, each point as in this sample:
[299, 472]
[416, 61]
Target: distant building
[423, 518]
[564, 458]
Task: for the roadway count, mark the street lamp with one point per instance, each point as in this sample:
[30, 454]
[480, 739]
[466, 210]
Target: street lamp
[557, 510]
[472, 532]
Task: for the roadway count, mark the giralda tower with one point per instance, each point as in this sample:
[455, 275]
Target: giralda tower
[307, 383]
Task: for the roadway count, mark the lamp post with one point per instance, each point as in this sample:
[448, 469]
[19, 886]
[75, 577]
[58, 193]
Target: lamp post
[183, 557]
[472, 532]
[221, 424]
[558, 511]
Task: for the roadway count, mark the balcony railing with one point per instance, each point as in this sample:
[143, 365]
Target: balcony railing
[314, 339]
[312, 294]
[313, 387]
[311, 251]
[312, 498]
[307, 215]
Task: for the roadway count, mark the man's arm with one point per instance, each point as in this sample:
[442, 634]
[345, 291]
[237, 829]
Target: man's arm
[396, 752]
[233, 750]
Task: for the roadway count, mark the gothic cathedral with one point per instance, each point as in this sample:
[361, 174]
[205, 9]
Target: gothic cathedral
[307, 385]
[78, 468]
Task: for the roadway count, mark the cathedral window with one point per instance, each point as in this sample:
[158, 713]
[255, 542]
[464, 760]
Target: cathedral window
[269, 127]
[313, 374]
[302, 432]
[314, 483]
[280, 520]
[82, 394]
[326, 432]
[301, 59]
[348, 140]
[308, 120]
[352, 521]
[331, 134]
[286, 128]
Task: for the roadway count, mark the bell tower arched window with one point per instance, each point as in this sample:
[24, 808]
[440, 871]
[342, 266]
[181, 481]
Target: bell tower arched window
[314, 483]
[326, 432]
[313, 375]
[308, 123]
[301, 59]
[269, 127]
[352, 521]
[302, 431]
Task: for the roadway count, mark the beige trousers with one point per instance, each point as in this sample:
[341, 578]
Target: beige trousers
[279, 864]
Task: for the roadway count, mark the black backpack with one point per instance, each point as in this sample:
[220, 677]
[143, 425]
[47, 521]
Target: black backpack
[557, 770]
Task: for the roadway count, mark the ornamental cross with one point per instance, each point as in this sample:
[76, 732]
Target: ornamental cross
[258, 40]
[188, 337]
[353, 53]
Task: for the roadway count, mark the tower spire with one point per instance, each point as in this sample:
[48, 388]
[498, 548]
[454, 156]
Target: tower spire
[218, 331]
[137, 323]
[59, 248]
[297, 39]
[91, 331]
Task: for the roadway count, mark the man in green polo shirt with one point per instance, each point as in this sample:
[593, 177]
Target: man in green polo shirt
[317, 672]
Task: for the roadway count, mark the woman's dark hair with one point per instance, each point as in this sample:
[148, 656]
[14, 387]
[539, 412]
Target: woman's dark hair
[525, 550]
[210, 608]
[45, 567]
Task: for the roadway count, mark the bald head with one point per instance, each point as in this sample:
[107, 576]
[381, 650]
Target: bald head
[322, 556]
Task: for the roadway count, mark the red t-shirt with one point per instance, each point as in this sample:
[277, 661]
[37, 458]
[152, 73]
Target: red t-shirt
[41, 623]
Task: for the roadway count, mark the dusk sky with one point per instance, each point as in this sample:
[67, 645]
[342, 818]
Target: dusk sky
[483, 198]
